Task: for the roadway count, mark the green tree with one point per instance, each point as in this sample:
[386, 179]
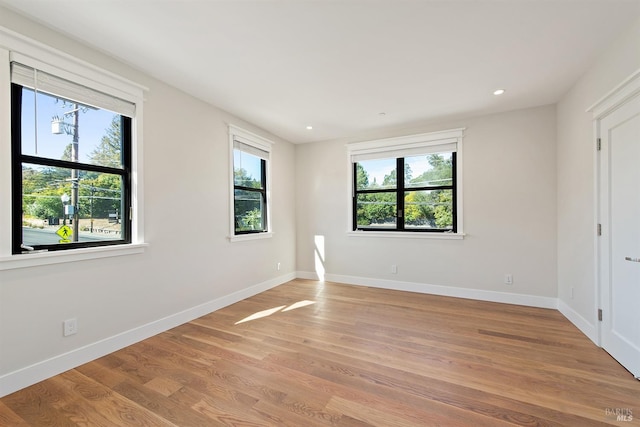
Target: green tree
[100, 193]
[243, 178]
[41, 191]
[433, 208]
[443, 212]
[66, 154]
[109, 151]
[362, 177]
[247, 204]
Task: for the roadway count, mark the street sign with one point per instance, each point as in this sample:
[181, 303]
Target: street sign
[65, 232]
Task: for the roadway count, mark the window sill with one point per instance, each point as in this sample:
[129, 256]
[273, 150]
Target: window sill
[250, 236]
[407, 235]
[72, 255]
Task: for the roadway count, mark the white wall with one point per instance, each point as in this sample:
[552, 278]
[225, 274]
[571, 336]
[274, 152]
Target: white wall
[189, 261]
[525, 213]
[576, 175]
[509, 216]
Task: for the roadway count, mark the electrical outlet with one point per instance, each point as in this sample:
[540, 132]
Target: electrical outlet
[394, 269]
[278, 266]
[572, 292]
[508, 279]
[70, 327]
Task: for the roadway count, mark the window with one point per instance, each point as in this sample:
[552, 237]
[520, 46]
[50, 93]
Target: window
[71, 164]
[407, 184]
[250, 193]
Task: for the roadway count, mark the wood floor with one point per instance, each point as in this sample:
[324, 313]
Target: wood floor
[322, 354]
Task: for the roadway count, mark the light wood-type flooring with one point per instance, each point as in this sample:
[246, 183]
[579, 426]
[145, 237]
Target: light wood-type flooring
[309, 353]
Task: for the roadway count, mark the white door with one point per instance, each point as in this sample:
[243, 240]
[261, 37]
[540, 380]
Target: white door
[620, 240]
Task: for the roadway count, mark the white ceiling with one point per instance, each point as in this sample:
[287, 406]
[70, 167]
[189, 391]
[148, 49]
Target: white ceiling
[336, 65]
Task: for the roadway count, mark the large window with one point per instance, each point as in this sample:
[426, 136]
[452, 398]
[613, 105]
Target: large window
[71, 164]
[407, 184]
[250, 161]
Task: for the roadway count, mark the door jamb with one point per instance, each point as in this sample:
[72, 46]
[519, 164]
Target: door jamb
[620, 94]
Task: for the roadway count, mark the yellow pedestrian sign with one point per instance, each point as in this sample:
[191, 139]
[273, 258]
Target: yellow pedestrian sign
[65, 232]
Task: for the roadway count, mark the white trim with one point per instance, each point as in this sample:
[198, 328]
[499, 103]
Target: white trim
[28, 47]
[14, 46]
[5, 154]
[251, 138]
[59, 257]
[409, 143]
[627, 89]
[260, 143]
[406, 235]
[449, 291]
[250, 236]
[589, 329]
[29, 375]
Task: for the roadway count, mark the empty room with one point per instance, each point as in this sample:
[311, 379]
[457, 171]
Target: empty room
[319, 213]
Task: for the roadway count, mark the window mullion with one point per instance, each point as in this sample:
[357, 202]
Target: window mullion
[16, 165]
[354, 198]
[400, 214]
[263, 177]
[454, 190]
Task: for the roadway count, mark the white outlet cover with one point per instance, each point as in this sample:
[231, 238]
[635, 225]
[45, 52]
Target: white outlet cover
[70, 327]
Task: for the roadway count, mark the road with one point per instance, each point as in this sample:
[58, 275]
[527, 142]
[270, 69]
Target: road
[48, 236]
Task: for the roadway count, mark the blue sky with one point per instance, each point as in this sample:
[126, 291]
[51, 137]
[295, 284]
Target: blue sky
[379, 168]
[92, 126]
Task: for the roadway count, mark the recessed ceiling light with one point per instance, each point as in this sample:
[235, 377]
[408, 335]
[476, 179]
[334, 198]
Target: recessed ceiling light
[498, 92]
[309, 127]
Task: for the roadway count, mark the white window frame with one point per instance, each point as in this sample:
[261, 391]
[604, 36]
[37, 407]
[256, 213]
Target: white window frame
[402, 146]
[263, 144]
[15, 47]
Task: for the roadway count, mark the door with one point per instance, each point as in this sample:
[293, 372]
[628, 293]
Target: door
[620, 240]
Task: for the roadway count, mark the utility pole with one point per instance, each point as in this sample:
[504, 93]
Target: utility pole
[58, 127]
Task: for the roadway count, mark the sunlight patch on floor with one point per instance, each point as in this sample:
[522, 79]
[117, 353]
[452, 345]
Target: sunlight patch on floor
[299, 304]
[269, 312]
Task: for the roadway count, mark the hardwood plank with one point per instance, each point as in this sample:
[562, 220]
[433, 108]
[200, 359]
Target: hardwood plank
[10, 418]
[326, 354]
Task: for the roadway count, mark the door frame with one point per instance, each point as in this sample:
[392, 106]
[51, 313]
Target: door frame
[618, 96]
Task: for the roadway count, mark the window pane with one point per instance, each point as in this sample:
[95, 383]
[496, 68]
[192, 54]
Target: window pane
[376, 174]
[99, 205]
[376, 210]
[247, 170]
[249, 212]
[428, 209]
[98, 132]
[429, 170]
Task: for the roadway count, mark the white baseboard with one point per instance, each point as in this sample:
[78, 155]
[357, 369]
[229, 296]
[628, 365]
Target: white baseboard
[37, 372]
[586, 327]
[450, 291]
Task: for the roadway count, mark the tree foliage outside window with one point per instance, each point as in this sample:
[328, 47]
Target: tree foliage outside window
[99, 193]
[422, 201]
[249, 177]
[93, 175]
